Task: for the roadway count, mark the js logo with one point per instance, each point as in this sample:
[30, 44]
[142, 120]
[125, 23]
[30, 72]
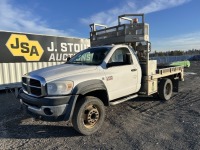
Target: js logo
[20, 45]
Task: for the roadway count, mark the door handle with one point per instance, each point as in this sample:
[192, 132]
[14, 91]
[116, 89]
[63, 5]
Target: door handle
[133, 70]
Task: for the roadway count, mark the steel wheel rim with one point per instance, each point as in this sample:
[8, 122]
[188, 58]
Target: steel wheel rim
[91, 116]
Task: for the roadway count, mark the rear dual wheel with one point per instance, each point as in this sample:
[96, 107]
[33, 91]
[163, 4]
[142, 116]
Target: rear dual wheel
[165, 89]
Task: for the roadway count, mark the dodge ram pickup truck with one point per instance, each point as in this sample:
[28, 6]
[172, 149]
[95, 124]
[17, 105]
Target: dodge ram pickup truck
[115, 69]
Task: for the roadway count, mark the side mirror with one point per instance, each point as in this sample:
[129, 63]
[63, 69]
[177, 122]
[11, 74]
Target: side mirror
[128, 59]
[112, 64]
[108, 65]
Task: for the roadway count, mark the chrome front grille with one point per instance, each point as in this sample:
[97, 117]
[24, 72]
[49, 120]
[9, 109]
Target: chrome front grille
[34, 82]
[33, 87]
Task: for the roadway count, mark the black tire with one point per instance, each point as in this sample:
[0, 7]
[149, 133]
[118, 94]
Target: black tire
[89, 115]
[165, 89]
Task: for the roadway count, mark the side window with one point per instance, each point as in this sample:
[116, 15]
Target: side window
[121, 56]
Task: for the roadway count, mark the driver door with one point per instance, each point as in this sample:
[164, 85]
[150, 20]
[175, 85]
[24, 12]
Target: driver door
[121, 77]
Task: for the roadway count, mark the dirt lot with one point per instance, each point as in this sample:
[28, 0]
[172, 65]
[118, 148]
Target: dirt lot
[143, 123]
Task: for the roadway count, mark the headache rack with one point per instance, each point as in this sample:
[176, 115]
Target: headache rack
[134, 33]
[122, 33]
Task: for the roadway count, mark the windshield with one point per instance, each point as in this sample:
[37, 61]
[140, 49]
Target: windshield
[91, 56]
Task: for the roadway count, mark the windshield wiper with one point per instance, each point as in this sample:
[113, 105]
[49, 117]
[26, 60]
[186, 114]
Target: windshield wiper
[75, 62]
[82, 63]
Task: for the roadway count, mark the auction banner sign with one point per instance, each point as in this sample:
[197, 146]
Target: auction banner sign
[23, 47]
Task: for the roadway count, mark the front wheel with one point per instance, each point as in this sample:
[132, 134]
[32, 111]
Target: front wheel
[165, 89]
[88, 115]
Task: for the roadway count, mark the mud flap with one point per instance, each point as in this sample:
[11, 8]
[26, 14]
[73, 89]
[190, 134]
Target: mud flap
[175, 85]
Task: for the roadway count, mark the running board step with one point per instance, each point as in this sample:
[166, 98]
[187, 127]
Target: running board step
[115, 102]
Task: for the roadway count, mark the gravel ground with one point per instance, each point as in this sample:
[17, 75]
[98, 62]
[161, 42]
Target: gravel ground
[142, 123]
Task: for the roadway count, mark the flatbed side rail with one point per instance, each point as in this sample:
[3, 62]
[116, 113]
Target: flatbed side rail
[169, 70]
[160, 73]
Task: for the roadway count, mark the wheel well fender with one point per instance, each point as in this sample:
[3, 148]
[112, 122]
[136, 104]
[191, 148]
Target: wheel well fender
[87, 88]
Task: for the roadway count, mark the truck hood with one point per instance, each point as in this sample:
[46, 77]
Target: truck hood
[61, 71]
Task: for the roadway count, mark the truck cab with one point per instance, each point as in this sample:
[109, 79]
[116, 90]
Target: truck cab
[122, 72]
[115, 69]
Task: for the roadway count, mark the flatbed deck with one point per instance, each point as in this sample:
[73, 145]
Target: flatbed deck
[163, 72]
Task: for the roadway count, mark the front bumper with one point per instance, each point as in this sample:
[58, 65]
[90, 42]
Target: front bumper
[46, 108]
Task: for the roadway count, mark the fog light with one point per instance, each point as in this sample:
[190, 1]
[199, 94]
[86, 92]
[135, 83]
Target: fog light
[48, 111]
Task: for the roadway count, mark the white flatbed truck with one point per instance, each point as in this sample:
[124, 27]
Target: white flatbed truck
[115, 69]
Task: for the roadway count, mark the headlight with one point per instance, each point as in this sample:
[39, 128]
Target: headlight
[59, 87]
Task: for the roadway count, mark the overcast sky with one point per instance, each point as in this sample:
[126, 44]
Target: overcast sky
[174, 24]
